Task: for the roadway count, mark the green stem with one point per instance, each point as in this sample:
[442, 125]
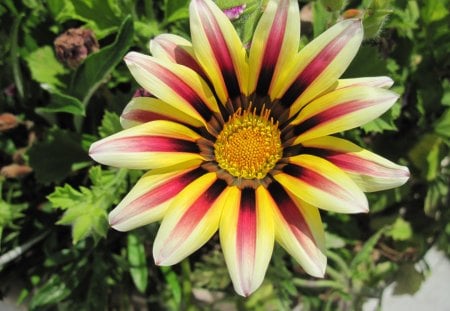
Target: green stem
[317, 284]
[186, 284]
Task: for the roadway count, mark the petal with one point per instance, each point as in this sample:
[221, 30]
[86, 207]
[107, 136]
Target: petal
[276, 40]
[341, 110]
[247, 237]
[299, 230]
[218, 49]
[368, 170]
[318, 65]
[382, 81]
[150, 145]
[321, 184]
[149, 199]
[176, 49]
[145, 109]
[175, 84]
[192, 219]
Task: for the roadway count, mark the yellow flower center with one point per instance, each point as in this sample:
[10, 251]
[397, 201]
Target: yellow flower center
[249, 145]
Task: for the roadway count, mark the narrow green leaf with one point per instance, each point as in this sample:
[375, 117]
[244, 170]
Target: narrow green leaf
[173, 283]
[17, 73]
[366, 250]
[62, 103]
[138, 262]
[52, 292]
[96, 67]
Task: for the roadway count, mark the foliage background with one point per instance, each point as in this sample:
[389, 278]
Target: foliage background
[55, 245]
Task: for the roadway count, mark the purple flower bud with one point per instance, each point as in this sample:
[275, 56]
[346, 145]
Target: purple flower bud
[234, 12]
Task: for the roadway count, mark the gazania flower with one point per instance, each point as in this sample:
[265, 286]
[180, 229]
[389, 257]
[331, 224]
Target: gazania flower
[239, 141]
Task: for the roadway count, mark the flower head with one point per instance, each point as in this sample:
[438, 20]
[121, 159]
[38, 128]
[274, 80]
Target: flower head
[239, 141]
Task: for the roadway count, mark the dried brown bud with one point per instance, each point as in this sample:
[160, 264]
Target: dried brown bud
[74, 45]
[8, 121]
[15, 170]
[352, 13]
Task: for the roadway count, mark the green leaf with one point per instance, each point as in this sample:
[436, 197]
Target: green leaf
[97, 66]
[60, 102]
[384, 122]
[175, 10]
[426, 155]
[408, 280]
[442, 126]
[173, 284]
[86, 208]
[81, 228]
[45, 68]
[434, 10]
[333, 240]
[246, 23]
[52, 159]
[436, 194]
[374, 21]
[321, 16]
[401, 230]
[365, 252]
[52, 292]
[64, 197]
[138, 262]
[110, 124]
[333, 5]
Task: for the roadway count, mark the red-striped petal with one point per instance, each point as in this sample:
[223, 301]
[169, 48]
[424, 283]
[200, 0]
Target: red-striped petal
[322, 184]
[247, 237]
[191, 220]
[174, 84]
[368, 170]
[149, 199]
[150, 145]
[274, 43]
[218, 49]
[319, 65]
[341, 110]
[299, 230]
[176, 49]
[145, 109]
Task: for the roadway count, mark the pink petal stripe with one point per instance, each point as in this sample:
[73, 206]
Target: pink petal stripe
[145, 143]
[331, 114]
[180, 56]
[317, 65]
[158, 195]
[353, 163]
[317, 180]
[246, 234]
[194, 214]
[272, 48]
[143, 116]
[293, 217]
[220, 49]
[175, 83]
